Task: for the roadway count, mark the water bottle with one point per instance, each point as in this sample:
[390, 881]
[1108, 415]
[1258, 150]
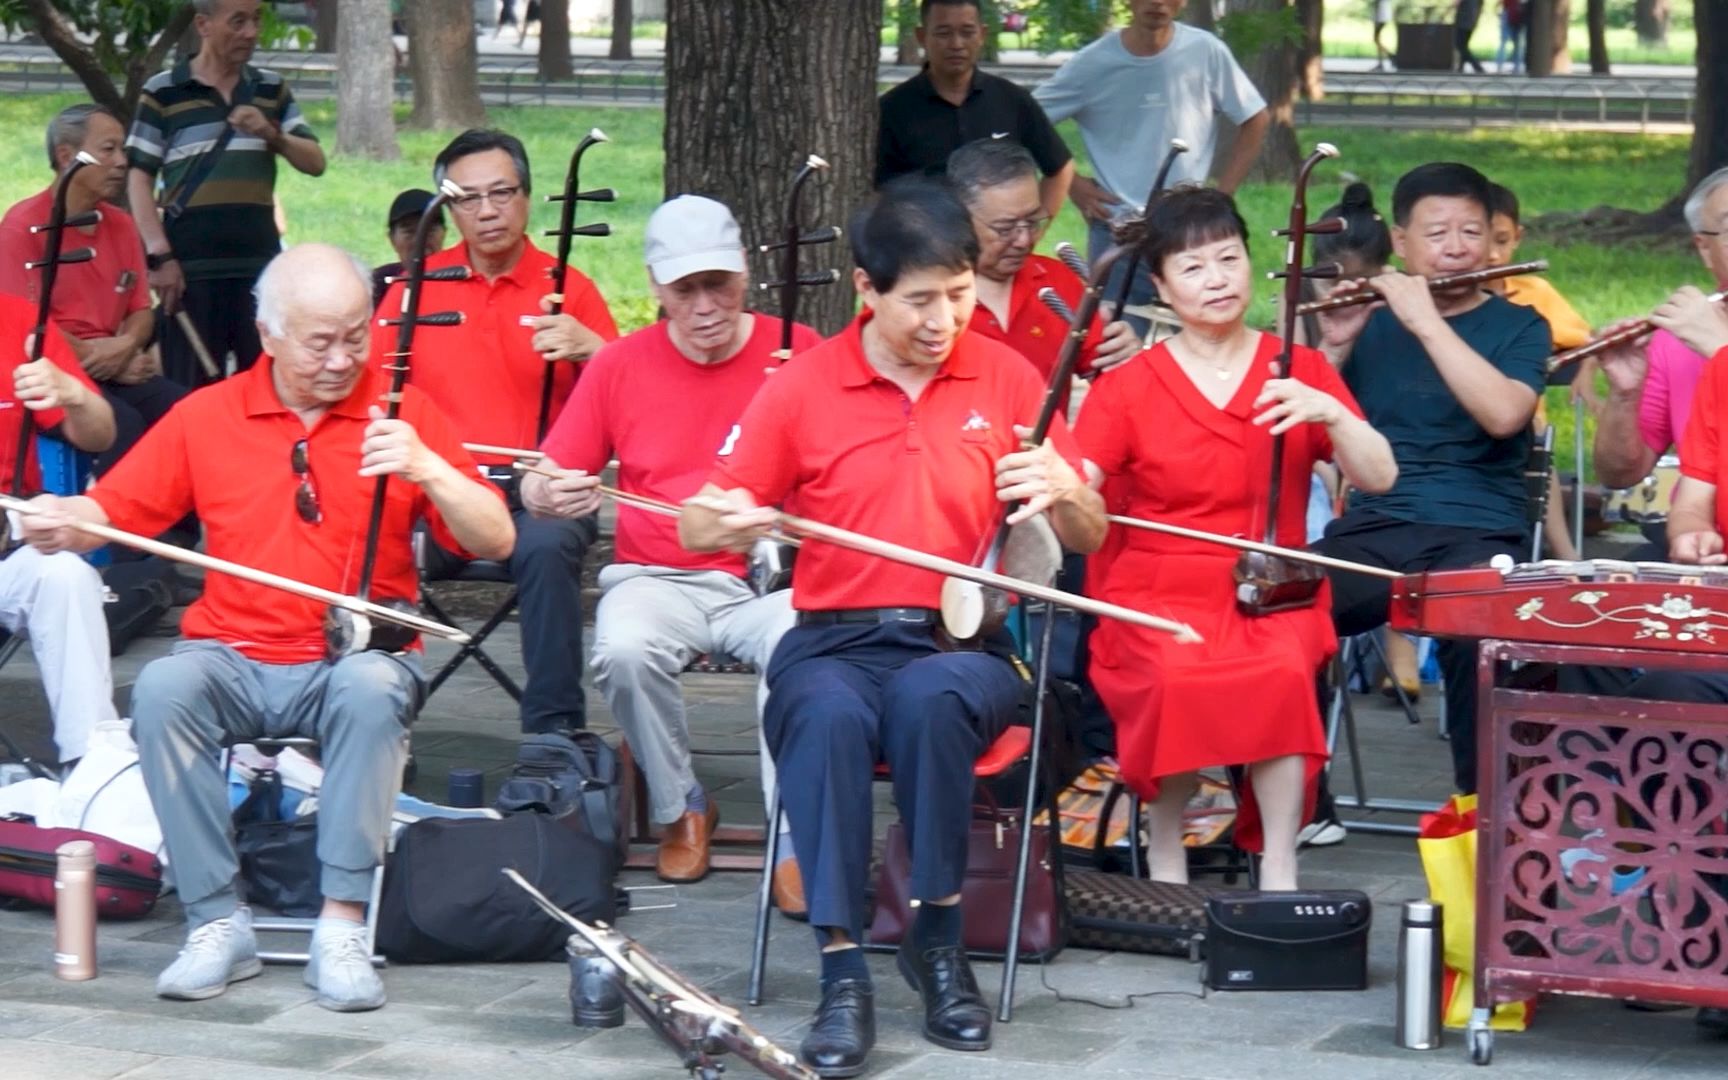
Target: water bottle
[1420, 968]
[75, 911]
[467, 788]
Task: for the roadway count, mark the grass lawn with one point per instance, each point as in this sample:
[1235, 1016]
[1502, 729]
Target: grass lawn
[1551, 171]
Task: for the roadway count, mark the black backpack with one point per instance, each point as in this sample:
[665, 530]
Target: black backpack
[446, 898]
[571, 778]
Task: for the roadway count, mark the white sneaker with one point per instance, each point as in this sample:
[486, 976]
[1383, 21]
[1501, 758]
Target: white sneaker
[1321, 833]
[340, 968]
[215, 954]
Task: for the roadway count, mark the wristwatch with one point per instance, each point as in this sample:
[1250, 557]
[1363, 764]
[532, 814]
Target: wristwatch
[157, 262]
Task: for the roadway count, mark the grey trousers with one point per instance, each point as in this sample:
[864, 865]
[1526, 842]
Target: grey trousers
[205, 695]
[651, 623]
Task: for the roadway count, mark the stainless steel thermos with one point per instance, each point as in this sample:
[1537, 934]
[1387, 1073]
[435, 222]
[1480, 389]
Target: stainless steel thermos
[75, 911]
[1420, 969]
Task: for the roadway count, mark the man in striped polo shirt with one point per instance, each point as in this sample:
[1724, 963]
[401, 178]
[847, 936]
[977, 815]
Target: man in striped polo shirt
[211, 129]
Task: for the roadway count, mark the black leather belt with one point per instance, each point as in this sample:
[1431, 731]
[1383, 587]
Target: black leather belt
[916, 615]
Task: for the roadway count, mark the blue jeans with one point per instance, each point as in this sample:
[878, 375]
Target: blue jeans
[1098, 241]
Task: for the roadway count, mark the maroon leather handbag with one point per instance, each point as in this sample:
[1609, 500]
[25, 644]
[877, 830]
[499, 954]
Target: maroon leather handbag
[128, 879]
[987, 896]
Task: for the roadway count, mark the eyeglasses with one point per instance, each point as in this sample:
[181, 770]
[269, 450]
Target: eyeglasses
[499, 198]
[306, 496]
[1006, 230]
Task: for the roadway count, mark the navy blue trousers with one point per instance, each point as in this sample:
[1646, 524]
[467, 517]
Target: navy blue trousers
[842, 698]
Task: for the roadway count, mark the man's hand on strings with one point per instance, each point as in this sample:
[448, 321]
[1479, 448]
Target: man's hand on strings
[1039, 478]
[562, 336]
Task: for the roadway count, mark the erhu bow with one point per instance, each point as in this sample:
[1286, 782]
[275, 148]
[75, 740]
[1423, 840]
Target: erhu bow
[54, 256]
[968, 609]
[770, 563]
[566, 231]
[1267, 583]
[347, 631]
[1177, 147]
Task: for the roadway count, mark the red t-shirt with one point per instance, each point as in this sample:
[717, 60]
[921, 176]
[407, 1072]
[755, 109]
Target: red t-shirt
[663, 416]
[1703, 453]
[17, 318]
[836, 442]
[1033, 330]
[485, 374]
[91, 299]
[226, 452]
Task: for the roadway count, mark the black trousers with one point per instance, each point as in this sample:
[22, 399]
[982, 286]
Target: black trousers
[1359, 602]
[841, 698]
[136, 407]
[1461, 32]
[547, 568]
[223, 312]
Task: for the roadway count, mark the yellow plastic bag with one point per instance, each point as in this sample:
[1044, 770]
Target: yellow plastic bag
[1447, 844]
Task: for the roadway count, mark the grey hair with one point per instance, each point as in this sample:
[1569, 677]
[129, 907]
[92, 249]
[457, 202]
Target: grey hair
[71, 124]
[268, 293]
[987, 163]
[1700, 195]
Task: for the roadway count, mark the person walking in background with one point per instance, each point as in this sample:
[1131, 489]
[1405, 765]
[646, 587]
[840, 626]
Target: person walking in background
[1382, 18]
[1463, 25]
[1512, 19]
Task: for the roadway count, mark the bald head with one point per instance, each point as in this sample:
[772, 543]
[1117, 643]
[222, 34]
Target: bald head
[315, 319]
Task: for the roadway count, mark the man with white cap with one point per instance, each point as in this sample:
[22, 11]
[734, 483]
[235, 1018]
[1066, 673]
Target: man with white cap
[663, 401]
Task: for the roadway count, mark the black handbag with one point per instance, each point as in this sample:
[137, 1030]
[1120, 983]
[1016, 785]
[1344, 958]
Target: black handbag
[279, 866]
[446, 897]
[571, 778]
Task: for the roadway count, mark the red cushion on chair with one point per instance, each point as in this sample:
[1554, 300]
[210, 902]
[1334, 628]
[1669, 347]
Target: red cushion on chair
[1009, 748]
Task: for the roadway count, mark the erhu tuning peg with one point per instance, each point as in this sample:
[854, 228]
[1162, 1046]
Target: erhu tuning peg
[1327, 227]
[443, 273]
[437, 318]
[604, 194]
[75, 221]
[76, 255]
[1053, 300]
[596, 229]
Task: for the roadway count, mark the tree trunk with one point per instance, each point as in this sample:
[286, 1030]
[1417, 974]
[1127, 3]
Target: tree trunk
[623, 29]
[1596, 20]
[1546, 53]
[1273, 65]
[365, 78]
[1650, 18]
[324, 26]
[1312, 13]
[443, 61]
[1710, 114]
[555, 40]
[62, 37]
[906, 50]
[1201, 14]
[753, 87]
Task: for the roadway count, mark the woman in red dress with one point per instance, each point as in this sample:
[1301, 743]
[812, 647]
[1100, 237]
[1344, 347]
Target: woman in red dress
[1182, 434]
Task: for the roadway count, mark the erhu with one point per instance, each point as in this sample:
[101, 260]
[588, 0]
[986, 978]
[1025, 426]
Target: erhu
[566, 231]
[1623, 336]
[1177, 148]
[54, 256]
[770, 563]
[347, 631]
[970, 610]
[1267, 583]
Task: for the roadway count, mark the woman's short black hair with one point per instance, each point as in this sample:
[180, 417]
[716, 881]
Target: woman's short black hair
[1365, 236]
[912, 223]
[1185, 217]
[1438, 179]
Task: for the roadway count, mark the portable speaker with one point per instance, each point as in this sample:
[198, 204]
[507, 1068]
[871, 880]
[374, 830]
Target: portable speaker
[1288, 940]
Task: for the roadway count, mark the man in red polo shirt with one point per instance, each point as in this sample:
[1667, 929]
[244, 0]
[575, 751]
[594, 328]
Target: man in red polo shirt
[280, 463]
[662, 400]
[486, 375]
[908, 428]
[55, 600]
[102, 306]
[998, 181]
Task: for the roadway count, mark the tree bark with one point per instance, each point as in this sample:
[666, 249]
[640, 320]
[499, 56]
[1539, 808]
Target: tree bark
[1274, 66]
[623, 29]
[1650, 18]
[1596, 20]
[443, 61]
[324, 19]
[62, 37]
[555, 40]
[365, 77]
[1310, 63]
[1710, 114]
[753, 87]
[1547, 51]
[1201, 14]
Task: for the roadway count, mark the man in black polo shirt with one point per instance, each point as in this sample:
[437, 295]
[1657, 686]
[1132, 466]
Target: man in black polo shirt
[951, 103]
[1452, 379]
[212, 128]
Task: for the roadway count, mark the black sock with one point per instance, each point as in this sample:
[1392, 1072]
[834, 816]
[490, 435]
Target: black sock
[840, 964]
[936, 926]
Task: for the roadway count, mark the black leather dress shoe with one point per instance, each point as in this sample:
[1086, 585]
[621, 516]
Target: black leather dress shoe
[955, 1015]
[1715, 1020]
[844, 1030]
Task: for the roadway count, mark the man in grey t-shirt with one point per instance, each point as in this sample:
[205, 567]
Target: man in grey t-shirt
[1131, 92]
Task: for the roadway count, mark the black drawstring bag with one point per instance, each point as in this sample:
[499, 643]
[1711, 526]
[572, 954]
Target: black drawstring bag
[279, 866]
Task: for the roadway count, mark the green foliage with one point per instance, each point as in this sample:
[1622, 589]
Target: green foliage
[117, 30]
[1065, 24]
[1249, 33]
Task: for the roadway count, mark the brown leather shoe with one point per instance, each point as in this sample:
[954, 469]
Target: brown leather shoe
[684, 846]
[789, 890]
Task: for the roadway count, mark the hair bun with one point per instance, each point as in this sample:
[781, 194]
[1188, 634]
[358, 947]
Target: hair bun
[1357, 196]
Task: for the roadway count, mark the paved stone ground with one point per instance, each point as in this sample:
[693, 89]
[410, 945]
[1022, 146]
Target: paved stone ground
[511, 1021]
